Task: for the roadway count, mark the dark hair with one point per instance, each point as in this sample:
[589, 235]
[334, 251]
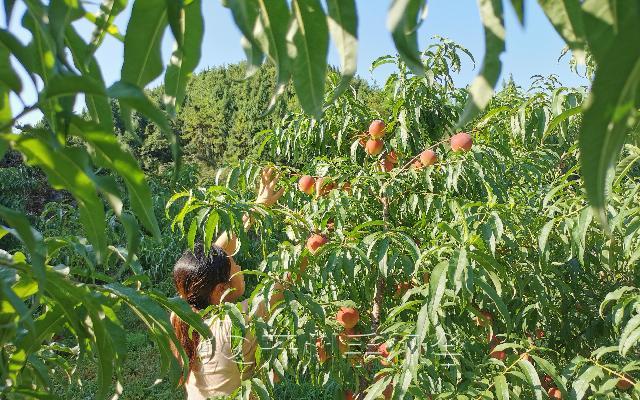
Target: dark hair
[195, 275]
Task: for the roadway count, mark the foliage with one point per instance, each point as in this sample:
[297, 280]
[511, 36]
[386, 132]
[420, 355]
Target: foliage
[476, 208]
[422, 253]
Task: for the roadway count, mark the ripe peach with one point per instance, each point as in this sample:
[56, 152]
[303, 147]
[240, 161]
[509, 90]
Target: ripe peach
[428, 157]
[391, 157]
[306, 183]
[382, 349]
[625, 384]
[401, 288]
[376, 129]
[322, 352]
[348, 395]
[348, 317]
[374, 147]
[384, 353]
[485, 319]
[386, 165]
[461, 142]
[316, 241]
[547, 382]
[416, 164]
[498, 355]
[554, 393]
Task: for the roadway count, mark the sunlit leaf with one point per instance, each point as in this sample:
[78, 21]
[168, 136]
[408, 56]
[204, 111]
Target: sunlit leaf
[343, 26]
[481, 88]
[403, 20]
[309, 54]
[606, 120]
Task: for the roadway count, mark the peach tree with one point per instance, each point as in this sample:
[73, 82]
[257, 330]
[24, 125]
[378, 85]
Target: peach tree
[439, 265]
[508, 217]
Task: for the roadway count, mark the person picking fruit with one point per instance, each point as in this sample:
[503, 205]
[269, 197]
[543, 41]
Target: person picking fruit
[210, 278]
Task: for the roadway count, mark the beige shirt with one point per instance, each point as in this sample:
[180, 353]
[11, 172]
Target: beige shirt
[218, 372]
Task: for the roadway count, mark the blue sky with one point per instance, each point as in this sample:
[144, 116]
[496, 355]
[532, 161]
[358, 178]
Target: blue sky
[531, 50]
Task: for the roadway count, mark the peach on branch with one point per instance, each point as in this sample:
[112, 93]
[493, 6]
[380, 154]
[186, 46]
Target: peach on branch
[374, 147]
[485, 318]
[306, 184]
[461, 142]
[348, 317]
[624, 384]
[377, 129]
[554, 393]
[428, 157]
[316, 241]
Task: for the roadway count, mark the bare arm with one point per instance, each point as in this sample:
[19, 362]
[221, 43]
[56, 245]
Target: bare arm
[228, 241]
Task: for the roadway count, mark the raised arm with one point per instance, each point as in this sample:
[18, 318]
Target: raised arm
[268, 194]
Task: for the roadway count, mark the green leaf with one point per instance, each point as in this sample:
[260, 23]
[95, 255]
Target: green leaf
[309, 54]
[98, 106]
[110, 154]
[8, 77]
[183, 310]
[67, 169]
[176, 17]
[132, 231]
[31, 238]
[343, 26]
[558, 119]
[531, 376]
[66, 85]
[210, 229]
[142, 44]
[260, 389]
[236, 316]
[191, 235]
[581, 384]
[109, 10]
[6, 116]
[8, 10]
[630, 335]
[271, 32]
[245, 14]
[157, 320]
[481, 88]
[550, 370]
[607, 111]
[437, 285]
[566, 18]
[502, 388]
[62, 13]
[544, 237]
[185, 58]
[403, 20]
[497, 300]
[519, 8]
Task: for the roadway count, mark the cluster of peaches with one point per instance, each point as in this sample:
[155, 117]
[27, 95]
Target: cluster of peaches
[374, 145]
